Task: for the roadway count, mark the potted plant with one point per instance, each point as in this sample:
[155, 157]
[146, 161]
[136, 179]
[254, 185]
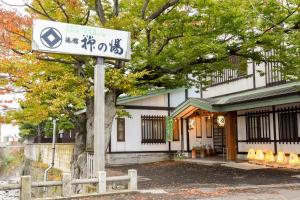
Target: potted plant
[194, 151]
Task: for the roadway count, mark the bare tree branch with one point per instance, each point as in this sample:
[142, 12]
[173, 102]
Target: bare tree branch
[100, 11]
[159, 11]
[39, 12]
[63, 10]
[116, 8]
[144, 8]
[281, 21]
[44, 10]
[19, 34]
[86, 18]
[166, 42]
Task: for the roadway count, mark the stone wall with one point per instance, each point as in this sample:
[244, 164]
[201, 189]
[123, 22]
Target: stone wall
[43, 153]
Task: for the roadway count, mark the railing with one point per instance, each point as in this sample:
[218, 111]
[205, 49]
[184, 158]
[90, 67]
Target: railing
[66, 183]
[89, 165]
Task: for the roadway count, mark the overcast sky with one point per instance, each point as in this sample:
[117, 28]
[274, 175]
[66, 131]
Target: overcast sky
[18, 5]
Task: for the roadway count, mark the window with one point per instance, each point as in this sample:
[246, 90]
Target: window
[176, 130]
[120, 129]
[273, 71]
[258, 126]
[153, 129]
[198, 127]
[288, 122]
[238, 69]
[208, 122]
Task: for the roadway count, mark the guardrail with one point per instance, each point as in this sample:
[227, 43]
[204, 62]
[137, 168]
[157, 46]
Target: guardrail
[25, 185]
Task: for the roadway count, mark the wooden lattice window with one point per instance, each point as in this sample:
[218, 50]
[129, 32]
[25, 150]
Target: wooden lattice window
[153, 129]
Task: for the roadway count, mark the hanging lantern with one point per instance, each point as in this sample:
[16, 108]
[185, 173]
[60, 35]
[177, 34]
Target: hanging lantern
[251, 154]
[192, 123]
[259, 155]
[221, 120]
[281, 158]
[294, 159]
[269, 157]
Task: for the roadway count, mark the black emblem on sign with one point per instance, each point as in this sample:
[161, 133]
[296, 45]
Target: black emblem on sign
[51, 37]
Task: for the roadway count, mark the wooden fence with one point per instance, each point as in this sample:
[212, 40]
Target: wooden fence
[26, 185]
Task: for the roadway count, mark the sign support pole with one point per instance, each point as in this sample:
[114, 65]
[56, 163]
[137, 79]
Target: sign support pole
[99, 116]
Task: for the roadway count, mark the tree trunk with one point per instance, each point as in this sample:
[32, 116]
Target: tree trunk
[84, 137]
[90, 124]
[110, 113]
[79, 152]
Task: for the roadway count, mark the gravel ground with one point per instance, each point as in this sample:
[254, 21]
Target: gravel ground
[172, 174]
[10, 194]
[218, 194]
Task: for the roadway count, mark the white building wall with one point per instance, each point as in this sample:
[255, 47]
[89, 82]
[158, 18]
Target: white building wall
[260, 79]
[9, 132]
[177, 97]
[133, 134]
[160, 100]
[229, 87]
[244, 147]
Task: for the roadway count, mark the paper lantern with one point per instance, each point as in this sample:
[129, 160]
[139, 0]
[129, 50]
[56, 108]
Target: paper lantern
[281, 158]
[259, 155]
[251, 154]
[294, 159]
[269, 157]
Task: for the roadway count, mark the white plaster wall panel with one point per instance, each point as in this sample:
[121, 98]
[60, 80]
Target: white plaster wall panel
[176, 145]
[230, 87]
[133, 135]
[177, 97]
[260, 81]
[160, 100]
[244, 147]
[288, 148]
[249, 67]
[9, 132]
[194, 92]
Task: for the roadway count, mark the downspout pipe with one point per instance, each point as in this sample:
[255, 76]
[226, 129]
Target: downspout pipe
[53, 152]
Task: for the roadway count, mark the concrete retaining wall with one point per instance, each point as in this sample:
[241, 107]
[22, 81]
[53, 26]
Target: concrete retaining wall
[43, 153]
[136, 158]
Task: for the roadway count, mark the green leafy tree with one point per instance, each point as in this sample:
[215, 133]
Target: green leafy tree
[172, 41]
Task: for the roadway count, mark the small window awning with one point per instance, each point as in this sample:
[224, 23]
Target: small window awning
[269, 96]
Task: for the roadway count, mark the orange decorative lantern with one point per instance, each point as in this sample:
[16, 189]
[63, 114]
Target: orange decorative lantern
[251, 154]
[294, 159]
[269, 157]
[281, 158]
[259, 155]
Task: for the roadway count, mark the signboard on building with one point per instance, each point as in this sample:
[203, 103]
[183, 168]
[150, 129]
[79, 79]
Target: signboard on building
[63, 38]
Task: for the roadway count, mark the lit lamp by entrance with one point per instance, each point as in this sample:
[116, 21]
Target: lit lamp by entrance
[294, 159]
[259, 155]
[221, 120]
[281, 158]
[269, 157]
[251, 154]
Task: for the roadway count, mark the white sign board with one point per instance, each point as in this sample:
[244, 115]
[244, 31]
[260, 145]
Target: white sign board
[56, 37]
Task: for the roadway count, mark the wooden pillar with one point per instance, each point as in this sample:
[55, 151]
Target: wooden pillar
[230, 135]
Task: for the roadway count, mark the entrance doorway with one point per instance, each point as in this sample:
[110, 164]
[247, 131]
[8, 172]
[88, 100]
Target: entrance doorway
[219, 138]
